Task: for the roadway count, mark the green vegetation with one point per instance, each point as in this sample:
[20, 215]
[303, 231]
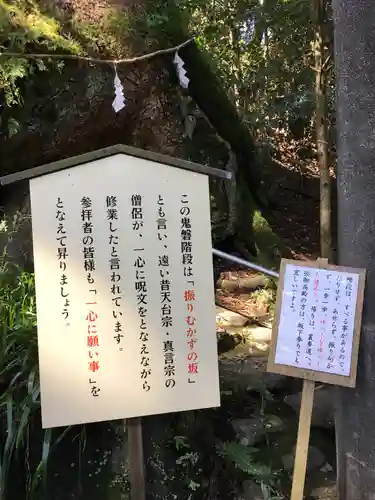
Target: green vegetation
[20, 393]
[23, 27]
[252, 99]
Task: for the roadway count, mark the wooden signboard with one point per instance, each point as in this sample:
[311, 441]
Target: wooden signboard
[317, 324]
[124, 289]
[315, 336]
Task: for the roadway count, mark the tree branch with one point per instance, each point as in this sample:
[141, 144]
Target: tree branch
[95, 60]
[326, 62]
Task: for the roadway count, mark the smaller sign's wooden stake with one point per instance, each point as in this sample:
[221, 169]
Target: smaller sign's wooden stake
[281, 358]
[136, 461]
[303, 439]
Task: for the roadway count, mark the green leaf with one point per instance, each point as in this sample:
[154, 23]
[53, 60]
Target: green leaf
[40, 64]
[41, 471]
[13, 127]
[242, 457]
[181, 442]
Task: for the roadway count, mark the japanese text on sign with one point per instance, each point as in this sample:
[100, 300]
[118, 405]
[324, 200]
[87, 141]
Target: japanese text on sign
[165, 296]
[62, 257]
[140, 286]
[114, 269]
[88, 250]
[189, 293]
[123, 260]
[317, 316]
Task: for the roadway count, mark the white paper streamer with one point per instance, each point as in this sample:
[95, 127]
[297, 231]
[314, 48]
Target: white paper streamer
[119, 102]
[184, 80]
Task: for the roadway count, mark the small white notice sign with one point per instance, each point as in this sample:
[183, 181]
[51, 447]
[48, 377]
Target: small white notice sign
[318, 316]
[125, 297]
[318, 306]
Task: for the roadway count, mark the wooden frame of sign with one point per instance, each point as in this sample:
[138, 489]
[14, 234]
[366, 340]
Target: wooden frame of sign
[307, 374]
[160, 162]
[352, 311]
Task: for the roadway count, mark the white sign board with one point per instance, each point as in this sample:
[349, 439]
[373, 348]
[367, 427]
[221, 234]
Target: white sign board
[124, 288]
[317, 318]
[319, 306]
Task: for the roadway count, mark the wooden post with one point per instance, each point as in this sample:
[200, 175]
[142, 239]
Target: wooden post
[303, 439]
[136, 461]
[280, 360]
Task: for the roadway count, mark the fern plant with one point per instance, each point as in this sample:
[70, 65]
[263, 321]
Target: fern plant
[24, 28]
[242, 458]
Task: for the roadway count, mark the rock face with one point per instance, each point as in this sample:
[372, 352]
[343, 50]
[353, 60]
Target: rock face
[328, 492]
[315, 459]
[251, 491]
[248, 374]
[323, 415]
[244, 367]
[272, 430]
[15, 232]
[274, 438]
[251, 430]
[227, 318]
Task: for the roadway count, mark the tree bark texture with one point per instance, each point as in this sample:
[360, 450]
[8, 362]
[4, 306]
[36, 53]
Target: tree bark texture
[319, 43]
[355, 71]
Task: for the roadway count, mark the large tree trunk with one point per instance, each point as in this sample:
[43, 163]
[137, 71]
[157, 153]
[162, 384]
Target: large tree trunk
[319, 43]
[355, 67]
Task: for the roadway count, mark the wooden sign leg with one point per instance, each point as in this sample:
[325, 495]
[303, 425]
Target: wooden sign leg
[302, 449]
[136, 462]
